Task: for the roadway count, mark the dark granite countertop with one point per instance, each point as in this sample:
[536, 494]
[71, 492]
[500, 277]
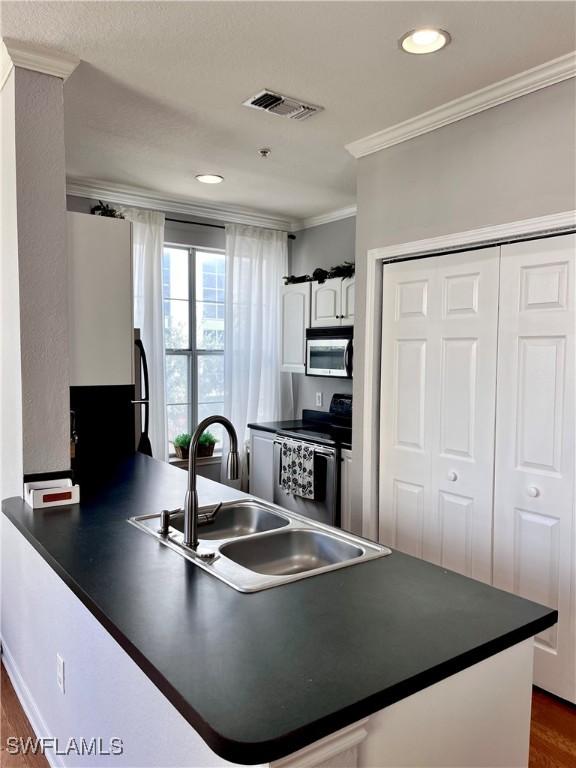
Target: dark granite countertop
[261, 675]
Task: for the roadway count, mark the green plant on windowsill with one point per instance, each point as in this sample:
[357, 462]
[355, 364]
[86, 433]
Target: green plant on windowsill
[205, 444]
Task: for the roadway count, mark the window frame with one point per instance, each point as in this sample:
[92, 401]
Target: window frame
[192, 353]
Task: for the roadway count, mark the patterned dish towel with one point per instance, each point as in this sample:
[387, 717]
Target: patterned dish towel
[297, 468]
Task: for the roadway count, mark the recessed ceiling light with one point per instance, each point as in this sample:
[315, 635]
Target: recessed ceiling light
[424, 40]
[210, 178]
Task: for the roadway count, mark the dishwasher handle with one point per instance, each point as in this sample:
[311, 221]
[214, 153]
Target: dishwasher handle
[319, 449]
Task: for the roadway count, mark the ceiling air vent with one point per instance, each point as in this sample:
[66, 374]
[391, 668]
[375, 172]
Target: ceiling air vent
[284, 106]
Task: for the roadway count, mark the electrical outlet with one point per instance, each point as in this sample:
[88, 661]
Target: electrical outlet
[60, 672]
[319, 399]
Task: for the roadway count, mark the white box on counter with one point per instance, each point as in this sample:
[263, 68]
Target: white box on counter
[51, 493]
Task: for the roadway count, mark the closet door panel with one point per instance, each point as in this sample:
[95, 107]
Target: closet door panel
[534, 548]
[463, 449]
[437, 409]
[407, 396]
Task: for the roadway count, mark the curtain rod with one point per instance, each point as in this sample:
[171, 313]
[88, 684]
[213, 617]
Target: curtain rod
[204, 224]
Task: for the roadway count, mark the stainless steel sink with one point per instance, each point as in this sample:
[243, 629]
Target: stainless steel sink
[233, 520]
[290, 552]
[252, 545]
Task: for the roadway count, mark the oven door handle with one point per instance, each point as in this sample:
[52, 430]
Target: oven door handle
[348, 358]
[317, 449]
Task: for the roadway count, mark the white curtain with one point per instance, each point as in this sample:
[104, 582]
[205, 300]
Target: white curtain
[147, 247]
[256, 261]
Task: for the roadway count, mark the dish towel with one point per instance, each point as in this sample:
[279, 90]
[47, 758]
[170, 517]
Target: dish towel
[297, 468]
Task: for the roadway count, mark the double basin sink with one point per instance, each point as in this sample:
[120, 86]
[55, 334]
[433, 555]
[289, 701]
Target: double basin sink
[252, 545]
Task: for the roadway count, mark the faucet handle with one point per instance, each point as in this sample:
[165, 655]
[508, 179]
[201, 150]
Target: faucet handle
[208, 517]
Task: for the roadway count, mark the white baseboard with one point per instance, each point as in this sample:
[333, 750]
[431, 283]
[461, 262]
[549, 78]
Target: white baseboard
[28, 704]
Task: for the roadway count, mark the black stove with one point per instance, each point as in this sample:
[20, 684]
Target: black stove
[333, 428]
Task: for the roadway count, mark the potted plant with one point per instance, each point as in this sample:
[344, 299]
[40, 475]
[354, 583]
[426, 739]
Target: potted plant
[182, 445]
[206, 444]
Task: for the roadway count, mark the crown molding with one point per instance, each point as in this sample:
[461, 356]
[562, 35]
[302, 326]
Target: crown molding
[141, 198]
[15, 53]
[513, 87]
[325, 218]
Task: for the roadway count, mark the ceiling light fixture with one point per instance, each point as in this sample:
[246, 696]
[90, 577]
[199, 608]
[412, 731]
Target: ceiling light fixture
[424, 40]
[210, 178]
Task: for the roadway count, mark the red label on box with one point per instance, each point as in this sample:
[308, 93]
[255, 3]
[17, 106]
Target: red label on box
[63, 496]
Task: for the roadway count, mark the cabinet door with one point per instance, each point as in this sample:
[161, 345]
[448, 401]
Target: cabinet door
[348, 289]
[345, 490]
[262, 464]
[295, 320]
[326, 303]
[100, 300]
[438, 402]
[534, 549]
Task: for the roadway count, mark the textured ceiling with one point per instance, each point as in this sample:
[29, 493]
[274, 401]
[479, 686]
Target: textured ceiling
[158, 95]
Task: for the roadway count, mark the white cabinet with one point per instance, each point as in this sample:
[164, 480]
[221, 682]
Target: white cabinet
[100, 300]
[477, 434]
[348, 290]
[262, 464]
[345, 490]
[326, 303]
[295, 320]
[439, 346]
[534, 523]
[332, 303]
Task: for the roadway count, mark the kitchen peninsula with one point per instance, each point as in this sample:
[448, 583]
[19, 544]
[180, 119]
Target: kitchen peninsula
[384, 663]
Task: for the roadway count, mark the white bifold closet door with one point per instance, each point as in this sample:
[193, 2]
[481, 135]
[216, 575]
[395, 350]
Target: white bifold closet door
[534, 528]
[438, 400]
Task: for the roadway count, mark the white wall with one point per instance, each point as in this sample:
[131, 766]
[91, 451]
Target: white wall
[323, 246]
[11, 450]
[512, 162]
[41, 208]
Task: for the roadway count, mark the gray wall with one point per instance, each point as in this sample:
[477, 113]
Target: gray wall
[515, 161]
[322, 246]
[35, 250]
[182, 234]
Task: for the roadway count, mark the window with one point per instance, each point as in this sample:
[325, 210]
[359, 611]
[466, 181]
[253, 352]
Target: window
[193, 287]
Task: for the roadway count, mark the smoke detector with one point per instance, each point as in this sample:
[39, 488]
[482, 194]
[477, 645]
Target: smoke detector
[283, 106]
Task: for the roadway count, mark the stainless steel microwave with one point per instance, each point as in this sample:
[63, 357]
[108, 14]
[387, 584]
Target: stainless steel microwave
[329, 352]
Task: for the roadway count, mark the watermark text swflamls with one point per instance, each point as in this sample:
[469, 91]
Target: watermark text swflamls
[17, 745]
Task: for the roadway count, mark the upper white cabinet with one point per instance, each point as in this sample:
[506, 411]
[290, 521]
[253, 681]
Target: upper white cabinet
[348, 287]
[332, 303]
[100, 300]
[295, 320]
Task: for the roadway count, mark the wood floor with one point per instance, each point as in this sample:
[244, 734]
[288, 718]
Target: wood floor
[15, 723]
[552, 734]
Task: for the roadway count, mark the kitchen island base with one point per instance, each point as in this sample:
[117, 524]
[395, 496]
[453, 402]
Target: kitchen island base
[479, 716]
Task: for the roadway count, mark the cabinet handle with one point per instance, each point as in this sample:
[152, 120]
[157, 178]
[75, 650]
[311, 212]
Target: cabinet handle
[533, 491]
[452, 476]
